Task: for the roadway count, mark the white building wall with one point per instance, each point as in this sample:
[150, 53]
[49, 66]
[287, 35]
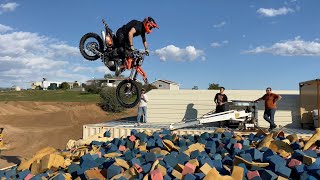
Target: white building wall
[167, 106]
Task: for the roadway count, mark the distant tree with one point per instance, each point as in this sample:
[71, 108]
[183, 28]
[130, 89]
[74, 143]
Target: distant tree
[108, 76]
[147, 87]
[83, 85]
[195, 88]
[213, 86]
[64, 86]
[113, 76]
[75, 85]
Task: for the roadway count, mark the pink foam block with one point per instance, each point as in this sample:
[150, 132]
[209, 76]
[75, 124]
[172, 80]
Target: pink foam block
[28, 177]
[294, 162]
[138, 168]
[132, 138]
[122, 148]
[252, 174]
[156, 175]
[99, 154]
[188, 168]
[238, 145]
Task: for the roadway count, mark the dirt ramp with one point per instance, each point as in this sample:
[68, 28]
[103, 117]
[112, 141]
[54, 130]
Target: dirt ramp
[30, 126]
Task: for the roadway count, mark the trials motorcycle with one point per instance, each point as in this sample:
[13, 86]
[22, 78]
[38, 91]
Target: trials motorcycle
[92, 47]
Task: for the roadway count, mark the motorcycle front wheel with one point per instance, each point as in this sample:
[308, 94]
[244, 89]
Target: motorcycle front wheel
[128, 94]
[90, 45]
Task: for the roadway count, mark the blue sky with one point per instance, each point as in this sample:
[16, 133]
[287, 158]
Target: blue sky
[247, 44]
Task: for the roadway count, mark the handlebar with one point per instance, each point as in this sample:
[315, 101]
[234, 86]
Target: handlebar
[136, 51]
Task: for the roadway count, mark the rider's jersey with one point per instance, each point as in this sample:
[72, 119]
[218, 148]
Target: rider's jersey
[138, 25]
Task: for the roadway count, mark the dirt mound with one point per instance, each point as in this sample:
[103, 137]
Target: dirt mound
[30, 126]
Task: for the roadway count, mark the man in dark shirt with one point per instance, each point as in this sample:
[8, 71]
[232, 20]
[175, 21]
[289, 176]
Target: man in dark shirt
[221, 101]
[134, 28]
[270, 100]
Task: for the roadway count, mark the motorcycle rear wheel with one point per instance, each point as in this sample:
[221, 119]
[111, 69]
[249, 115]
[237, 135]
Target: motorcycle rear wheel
[128, 93]
[85, 51]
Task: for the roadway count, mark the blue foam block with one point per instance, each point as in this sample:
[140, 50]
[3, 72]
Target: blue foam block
[159, 143]
[113, 170]
[217, 135]
[133, 132]
[227, 134]
[170, 160]
[217, 157]
[150, 157]
[194, 154]
[267, 174]
[166, 132]
[135, 161]
[227, 161]
[255, 154]
[217, 164]
[247, 157]
[245, 142]
[299, 169]
[311, 153]
[267, 153]
[205, 135]
[107, 134]
[182, 158]
[73, 168]
[245, 169]
[23, 174]
[297, 154]
[284, 171]
[87, 162]
[189, 177]
[199, 175]
[182, 142]
[206, 160]
[296, 146]
[146, 167]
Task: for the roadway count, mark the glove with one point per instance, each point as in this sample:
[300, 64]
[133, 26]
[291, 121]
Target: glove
[131, 48]
[147, 52]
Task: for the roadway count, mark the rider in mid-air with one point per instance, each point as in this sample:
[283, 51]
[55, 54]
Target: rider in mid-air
[134, 28]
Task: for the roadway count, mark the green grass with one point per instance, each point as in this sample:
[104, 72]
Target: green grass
[48, 96]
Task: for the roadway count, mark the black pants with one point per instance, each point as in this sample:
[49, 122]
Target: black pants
[123, 41]
[222, 108]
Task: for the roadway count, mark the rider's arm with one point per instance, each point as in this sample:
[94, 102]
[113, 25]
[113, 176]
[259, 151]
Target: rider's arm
[145, 44]
[144, 41]
[130, 35]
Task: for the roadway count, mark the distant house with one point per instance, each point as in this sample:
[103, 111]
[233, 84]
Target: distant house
[165, 84]
[105, 82]
[51, 85]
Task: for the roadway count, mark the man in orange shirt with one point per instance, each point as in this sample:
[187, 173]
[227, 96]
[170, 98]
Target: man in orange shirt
[270, 106]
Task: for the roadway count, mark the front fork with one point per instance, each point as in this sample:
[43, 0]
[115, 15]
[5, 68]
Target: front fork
[134, 73]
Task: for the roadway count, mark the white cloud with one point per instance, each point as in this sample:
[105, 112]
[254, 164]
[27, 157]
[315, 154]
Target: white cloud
[295, 47]
[27, 56]
[274, 12]
[4, 28]
[172, 52]
[219, 44]
[223, 23]
[215, 44]
[8, 7]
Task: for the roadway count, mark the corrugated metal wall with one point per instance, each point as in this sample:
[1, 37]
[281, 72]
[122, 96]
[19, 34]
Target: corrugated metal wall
[165, 106]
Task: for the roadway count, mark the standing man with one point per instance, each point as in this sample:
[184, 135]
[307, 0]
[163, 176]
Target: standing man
[270, 106]
[142, 107]
[221, 101]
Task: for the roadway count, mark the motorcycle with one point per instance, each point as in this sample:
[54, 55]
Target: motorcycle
[93, 47]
